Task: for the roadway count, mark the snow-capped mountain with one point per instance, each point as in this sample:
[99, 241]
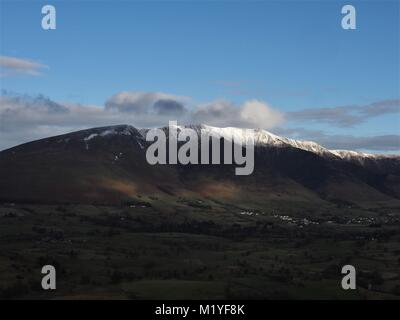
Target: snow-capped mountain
[109, 165]
[262, 138]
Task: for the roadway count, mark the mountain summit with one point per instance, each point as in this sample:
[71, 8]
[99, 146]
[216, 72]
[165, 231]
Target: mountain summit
[108, 165]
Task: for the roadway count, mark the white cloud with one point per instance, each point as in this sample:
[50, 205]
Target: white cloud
[24, 118]
[251, 114]
[260, 115]
[11, 66]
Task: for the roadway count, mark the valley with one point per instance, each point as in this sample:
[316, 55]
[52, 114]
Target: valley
[202, 249]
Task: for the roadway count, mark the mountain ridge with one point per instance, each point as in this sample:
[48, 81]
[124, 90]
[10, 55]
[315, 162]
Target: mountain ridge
[262, 137]
[108, 164]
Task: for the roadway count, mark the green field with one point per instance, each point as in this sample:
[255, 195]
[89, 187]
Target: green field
[198, 249]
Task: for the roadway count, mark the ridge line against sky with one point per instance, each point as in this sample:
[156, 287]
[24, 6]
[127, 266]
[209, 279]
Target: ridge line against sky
[39, 117]
[286, 67]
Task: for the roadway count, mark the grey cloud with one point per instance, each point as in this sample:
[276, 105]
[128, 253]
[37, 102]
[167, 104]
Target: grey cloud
[346, 116]
[380, 107]
[38, 103]
[216, 113]
[169, 107]
[146, 102]
[11, 66]
[251, 114]
[24, 118]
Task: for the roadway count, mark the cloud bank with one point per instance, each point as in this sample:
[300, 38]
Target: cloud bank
[36, 117]
[346, 116]
[24, 118]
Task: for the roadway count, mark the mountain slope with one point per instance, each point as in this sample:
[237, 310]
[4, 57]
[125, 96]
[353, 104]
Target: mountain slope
[108, 165]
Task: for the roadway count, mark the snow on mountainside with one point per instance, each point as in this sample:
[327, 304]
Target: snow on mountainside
[114, 130]
[261, 138]
[108, 165]
[348, 154]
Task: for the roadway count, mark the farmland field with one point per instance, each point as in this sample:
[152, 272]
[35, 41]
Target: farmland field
[199, 250]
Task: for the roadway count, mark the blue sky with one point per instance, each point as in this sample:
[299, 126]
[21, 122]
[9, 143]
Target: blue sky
[294, 56]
